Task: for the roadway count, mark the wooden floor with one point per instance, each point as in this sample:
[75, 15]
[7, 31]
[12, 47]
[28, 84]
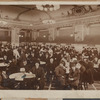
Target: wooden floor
[95, 86]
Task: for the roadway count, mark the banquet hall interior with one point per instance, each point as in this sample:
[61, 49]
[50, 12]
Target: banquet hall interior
[49, 47]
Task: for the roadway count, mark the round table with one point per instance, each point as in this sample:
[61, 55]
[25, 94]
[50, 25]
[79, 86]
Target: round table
[21, 79]
[3, 66]
[20, 76]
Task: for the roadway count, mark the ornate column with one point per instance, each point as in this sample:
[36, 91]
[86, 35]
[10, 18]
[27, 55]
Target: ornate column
[15, 36]
[32, 35]
[79, 33]
[25, 34]
[35, 34]
[86, 30]
[9, 33]
[57, 32]
[52, 34]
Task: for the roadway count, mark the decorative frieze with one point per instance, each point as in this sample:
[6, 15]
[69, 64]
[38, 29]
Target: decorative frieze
[59, 23]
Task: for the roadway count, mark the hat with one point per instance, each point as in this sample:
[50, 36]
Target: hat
[37, 62]
[72, 64]
[62, 62]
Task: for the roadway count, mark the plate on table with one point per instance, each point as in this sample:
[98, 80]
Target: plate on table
[28, 75]
[3, 64]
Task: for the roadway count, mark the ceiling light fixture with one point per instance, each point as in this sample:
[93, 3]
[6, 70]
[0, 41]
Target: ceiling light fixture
[30, 24]
[3, 22]
[48, 7]
[48, 21]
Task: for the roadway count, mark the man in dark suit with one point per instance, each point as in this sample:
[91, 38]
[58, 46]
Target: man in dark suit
[61, 75]
[25, 65]
[32, 59]
[2, 52]
[39, 73]
[74, 76]
[50, 70]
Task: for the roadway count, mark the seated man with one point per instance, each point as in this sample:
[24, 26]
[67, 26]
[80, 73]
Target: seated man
[39, 79]
[32, 59]
[25, 65]
[5, 59]
[74, 76]
[12, 66]
[60, 72]
[5, 80]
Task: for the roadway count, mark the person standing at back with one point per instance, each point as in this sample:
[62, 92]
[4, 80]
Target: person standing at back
[39, 73]
[60, 73]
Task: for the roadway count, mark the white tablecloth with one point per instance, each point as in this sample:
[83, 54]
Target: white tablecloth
[42, 62]
[19, 76]
[3, 65]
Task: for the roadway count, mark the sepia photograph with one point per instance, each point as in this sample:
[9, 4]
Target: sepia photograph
[50, 47]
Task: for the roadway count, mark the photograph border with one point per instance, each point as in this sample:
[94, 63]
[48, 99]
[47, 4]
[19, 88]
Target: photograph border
[49, 93]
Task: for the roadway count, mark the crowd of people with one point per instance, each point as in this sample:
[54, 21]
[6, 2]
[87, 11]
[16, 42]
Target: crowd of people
[65, 65]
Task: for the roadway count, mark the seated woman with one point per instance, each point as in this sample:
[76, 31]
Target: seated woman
[74, 76]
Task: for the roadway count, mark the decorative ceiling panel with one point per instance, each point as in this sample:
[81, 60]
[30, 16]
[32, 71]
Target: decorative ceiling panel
[27, 16]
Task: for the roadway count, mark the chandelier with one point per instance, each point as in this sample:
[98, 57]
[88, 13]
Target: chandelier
[3, 22]
[48, 21]
[48, 7]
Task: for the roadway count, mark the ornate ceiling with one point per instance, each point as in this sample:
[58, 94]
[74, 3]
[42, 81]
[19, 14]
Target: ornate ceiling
[27, 16]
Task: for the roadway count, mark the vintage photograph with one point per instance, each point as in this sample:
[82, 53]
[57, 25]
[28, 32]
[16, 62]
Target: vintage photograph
[50, 47]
